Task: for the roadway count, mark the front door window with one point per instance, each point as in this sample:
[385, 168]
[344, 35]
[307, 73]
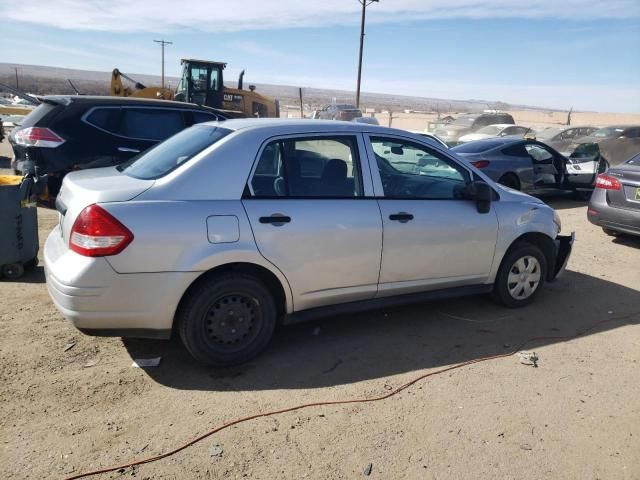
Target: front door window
[409, 170]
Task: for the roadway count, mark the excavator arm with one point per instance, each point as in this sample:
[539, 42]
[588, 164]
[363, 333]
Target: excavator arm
[118, 89]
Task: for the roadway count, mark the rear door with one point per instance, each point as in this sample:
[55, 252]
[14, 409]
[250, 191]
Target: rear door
[432, 238]
[310, 205]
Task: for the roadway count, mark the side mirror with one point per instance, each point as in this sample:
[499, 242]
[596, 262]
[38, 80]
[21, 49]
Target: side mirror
[482, 193]
[397, 150]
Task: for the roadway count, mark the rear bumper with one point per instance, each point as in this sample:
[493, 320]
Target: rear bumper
[617, 219]
[564, 245]
[99, 301]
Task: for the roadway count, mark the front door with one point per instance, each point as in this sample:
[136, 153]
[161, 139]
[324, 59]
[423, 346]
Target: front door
[432, 237]
[307, 207]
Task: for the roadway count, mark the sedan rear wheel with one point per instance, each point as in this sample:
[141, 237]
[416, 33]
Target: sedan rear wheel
[521, 275]
[227, 319]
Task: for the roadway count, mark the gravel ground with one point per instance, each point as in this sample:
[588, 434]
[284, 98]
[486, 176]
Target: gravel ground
[575, 416]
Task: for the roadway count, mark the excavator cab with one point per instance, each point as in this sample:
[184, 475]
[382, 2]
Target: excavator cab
[201, 83]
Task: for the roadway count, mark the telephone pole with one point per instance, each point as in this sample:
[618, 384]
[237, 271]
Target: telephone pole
[163, 43]
[365, 4]
[17, 83]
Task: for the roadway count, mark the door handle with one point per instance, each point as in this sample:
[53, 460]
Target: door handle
[275, 219]
[402, 217]
[128, 150]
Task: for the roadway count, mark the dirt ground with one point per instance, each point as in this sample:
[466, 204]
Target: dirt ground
[575, 416]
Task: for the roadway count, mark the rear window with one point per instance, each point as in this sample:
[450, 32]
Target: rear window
[475, 147]
[38, 114]
[170, 154]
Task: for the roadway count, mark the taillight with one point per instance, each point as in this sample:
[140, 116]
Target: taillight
[38, 137]
[481, 163]
[97, 233]
[607, 182]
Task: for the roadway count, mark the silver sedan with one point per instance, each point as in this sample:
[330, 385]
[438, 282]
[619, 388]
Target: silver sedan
[226, 229]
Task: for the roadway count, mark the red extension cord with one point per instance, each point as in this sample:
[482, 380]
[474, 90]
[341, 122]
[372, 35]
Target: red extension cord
[342, 402]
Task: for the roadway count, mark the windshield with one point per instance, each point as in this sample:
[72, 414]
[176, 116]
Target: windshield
[476, 147]
[173, 152]
[607, 132]
[490, 130]
[548, 133]
[465, 120]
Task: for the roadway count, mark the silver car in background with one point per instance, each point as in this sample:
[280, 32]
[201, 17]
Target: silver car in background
[615, 203]
[226, 229]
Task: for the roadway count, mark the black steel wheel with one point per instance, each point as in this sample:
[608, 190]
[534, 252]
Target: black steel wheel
[227, 319]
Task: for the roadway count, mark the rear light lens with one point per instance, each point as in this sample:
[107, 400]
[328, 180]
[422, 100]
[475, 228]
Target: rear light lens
[481, 163]
[38, 137]
[607, 182]
[97, 233]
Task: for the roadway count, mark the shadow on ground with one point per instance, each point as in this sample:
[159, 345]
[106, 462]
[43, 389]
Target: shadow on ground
[378, 344]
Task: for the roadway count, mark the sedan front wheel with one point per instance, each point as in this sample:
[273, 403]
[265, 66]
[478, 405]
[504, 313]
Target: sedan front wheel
[521, 276]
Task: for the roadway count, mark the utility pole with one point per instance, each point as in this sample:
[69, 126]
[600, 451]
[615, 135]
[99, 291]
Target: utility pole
[365, 4]
[17, 83]
[163, 43]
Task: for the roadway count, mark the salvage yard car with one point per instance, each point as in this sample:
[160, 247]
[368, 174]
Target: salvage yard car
[226, 229]
[615, 203]
[469, 123]
[617, 143]
[491, 131]
[531, 166]
[70, 132]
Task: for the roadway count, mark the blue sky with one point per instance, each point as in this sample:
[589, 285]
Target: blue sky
[583, 53]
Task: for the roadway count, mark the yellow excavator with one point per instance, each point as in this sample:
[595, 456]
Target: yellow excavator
[202, 83]
[118, 89]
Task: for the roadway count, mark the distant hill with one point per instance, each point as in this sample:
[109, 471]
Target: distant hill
[43, 80]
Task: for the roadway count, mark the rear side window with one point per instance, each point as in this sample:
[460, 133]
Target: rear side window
[104, 118]
[169, 155]
[150, 123]
[312, 167]
[517, 150]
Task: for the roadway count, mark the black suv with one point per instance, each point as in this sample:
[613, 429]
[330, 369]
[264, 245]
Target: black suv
[67, 132]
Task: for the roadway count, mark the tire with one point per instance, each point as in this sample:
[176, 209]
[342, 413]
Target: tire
[227, 319]
[513, 292]
[12, 271]
[510, 180]
[611, 233]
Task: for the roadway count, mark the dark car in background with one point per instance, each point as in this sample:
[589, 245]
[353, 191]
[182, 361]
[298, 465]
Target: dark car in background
[561, 138]
[615, 203]
[617, 143]
[73, 132]
[469, 123]
[339, 111]
[531, 166]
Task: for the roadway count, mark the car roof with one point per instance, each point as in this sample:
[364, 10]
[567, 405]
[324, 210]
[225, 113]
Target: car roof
[110, 100]
[295, 125]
